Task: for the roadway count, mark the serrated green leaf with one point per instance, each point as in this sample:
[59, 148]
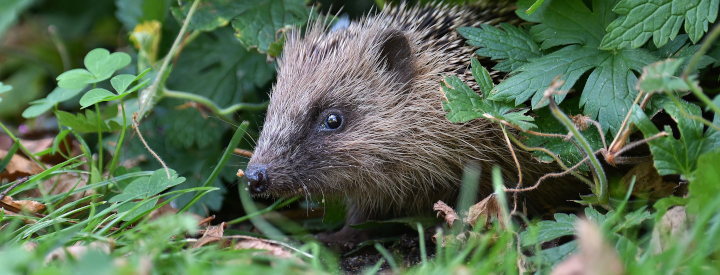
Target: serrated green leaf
[94, 96]
[660, 77]
[257, 26]
[87, 123]
[462, 102]
[568, 154]
[230, 73]
[704, 186]
[532, 79]
[211, 14]
[659, 19]
[121, 82]
[678, 156]
[463, 105]
[146, 187]
[566, 22]
[102, 64]
[610, 89]
[508, 43]
[543, 231]
[698, 17]
[75, 79]
[482, 77]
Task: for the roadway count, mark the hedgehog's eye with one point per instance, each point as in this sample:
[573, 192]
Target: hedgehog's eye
[332, 121]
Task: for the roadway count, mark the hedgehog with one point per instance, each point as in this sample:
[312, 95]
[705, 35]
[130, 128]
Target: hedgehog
[356, 114]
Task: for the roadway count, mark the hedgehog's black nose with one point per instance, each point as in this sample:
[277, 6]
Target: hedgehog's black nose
[257, 178]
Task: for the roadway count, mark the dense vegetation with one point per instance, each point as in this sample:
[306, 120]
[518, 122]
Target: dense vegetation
[124, 123]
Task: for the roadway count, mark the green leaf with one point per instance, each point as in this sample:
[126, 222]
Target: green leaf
[41, 106]
[463, 105]
[146, 187]
[659, 19]
[102, 64]
[532, 79]
[211, 14]
[94, 96]
[229, 73]
[544, 231]
[482, 76]
[257, 26]
[121, 82]
[660, 77]
[565, 22]
[133, 12]
[678, 156]
[37, 108]
[75, 79]
[87, 123]
[9, 11]
[610, 89]
[4, 88]
[568, 154]
[704, 186]
[508, 43]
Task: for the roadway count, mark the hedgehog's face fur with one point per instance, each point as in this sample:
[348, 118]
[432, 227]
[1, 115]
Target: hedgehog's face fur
[328, 126]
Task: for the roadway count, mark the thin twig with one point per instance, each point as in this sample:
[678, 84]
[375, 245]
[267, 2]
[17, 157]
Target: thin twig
[136, 126]
[517, 165]
[148, 94]
[11, 187]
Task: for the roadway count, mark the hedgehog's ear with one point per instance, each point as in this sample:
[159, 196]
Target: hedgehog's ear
[396, 54]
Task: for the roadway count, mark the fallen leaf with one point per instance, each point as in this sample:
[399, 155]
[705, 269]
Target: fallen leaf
[446, 212]
[23, 205]
[212, 234]
[261, 244]
[484, 211]
[18, 167]
[672, 225]
[594, 256]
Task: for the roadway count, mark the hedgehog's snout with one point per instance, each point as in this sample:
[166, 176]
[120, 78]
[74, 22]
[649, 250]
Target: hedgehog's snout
[257, 177]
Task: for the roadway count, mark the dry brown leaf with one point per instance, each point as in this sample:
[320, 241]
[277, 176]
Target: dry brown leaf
[483, 211]
[77, 250]
[446, 211]
[212, 234]
[673, 224]
[18, 167]
[23, 205]
[261, 244]
[594, 256]
[648, 183]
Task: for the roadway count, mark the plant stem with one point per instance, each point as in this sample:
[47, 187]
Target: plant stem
[100, 139]
[147, 96]
[601, 185]
[695, 59]
[224, 112]
[22, 147]
[121, 139]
